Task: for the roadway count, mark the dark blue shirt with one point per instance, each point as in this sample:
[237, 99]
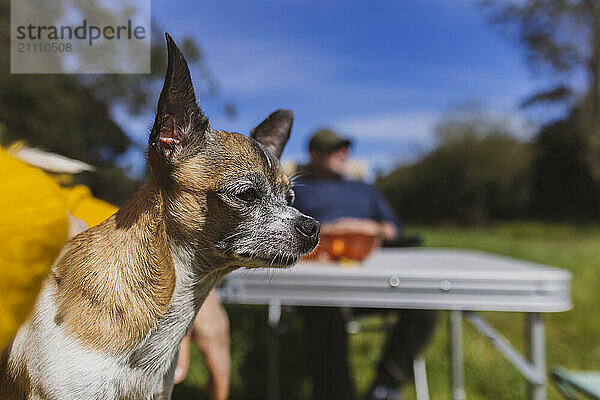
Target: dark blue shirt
[331, 199]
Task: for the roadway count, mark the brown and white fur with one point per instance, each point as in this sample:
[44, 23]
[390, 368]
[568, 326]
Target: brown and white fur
[123, 294]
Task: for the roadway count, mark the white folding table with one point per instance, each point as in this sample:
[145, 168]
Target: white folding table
[461, 281]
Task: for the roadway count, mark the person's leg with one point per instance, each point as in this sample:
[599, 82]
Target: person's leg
[328, 353]
[407, 339]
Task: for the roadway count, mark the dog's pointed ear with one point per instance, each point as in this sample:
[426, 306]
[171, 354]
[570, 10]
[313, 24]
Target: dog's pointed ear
[179, 120]
[274, 131]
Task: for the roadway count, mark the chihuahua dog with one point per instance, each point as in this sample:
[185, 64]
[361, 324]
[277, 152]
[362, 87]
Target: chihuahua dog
[123, 294]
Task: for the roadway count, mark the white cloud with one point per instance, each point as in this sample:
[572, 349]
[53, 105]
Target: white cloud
[410, 126]
[418, 127]
[248, 66]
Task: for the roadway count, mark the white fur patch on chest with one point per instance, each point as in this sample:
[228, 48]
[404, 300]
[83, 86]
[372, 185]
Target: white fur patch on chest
[60, 367]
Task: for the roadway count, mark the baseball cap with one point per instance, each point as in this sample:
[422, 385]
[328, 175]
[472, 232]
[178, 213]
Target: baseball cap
[326, 140]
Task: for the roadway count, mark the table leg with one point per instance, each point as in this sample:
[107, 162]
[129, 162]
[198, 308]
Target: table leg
[456, 343]
[420, 372]
[274, 317]
[537, 353]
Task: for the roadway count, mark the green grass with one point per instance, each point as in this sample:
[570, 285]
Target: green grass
[573, 338]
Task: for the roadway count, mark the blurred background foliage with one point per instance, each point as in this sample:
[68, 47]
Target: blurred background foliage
[477, 172]
[73, 115]
[480, 171]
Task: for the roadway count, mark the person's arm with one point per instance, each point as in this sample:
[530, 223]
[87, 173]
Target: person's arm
[384, 230]
[210, 333]
[390, 227]
[389, 232]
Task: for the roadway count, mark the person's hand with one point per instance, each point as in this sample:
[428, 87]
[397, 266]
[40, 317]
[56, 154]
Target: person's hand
[183, 361]
[210, 333]
[383, 230]
[352, 225]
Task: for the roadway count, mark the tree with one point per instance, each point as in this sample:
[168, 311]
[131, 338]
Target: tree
[562, 186]
[560, 38]
[71, 114]
[478, 172]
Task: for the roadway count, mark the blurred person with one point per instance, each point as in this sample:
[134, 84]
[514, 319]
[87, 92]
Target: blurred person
[37, 217]
[33, 228]
[344, 205]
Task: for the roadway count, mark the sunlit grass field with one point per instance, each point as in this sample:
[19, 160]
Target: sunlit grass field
[573, 338]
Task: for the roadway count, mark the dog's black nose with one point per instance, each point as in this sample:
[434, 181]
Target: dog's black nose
[308, 227]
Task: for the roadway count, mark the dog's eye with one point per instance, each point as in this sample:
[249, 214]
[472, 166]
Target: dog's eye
[248, 195]
[290, 197]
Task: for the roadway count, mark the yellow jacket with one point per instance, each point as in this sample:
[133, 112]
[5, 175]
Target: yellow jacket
[33, 228]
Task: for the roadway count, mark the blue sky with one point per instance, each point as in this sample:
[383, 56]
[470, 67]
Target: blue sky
[380, 72]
